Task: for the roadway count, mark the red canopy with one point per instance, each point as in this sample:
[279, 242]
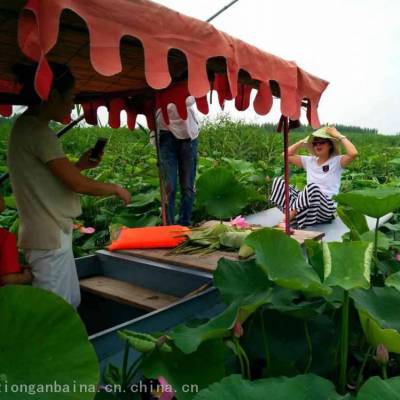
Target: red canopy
[122, 51]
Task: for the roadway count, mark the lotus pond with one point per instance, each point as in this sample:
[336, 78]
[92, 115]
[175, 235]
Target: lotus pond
[319, 322]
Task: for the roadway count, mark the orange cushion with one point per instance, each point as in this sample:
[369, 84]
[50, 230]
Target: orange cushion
[150, 237]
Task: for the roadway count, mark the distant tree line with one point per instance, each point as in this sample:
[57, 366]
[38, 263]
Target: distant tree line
[339, 127]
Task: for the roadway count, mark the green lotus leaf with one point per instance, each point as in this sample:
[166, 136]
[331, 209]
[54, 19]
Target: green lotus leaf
[196, 370]
[393, 281]
[301, 387]
[221, 193]
[377, 388]
[372, 202]
[42, 342]
[239, 279]
[379, 315]
[383, 240]
[347, 264]
[377, 335]
[282, 259]
[142, 342]
[354, 220]
[188, 339]
[315, 256]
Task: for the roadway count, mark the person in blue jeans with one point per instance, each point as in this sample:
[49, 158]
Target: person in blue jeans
[178, 158]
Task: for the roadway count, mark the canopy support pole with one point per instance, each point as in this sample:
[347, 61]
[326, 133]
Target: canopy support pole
[60, 133]
[222, 10]
[284, 125]
[160, 174]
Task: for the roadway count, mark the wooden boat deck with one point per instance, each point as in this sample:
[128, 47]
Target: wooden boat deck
[209, 262]
[127, 293]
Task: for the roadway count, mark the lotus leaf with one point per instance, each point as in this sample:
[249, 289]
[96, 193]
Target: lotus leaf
[282, 259]
[347, 264]
[43, 341]
[220, 193]
[301, 387]
[372, 202]
[378, 308]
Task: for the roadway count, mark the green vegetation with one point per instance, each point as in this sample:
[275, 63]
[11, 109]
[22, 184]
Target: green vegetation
[251, 152]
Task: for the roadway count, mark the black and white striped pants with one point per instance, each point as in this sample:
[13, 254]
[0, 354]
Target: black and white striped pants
[312, 206]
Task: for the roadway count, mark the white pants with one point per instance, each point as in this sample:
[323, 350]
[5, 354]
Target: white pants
[55, 270]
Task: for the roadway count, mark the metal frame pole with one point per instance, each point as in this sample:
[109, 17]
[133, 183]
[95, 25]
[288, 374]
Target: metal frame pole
[284, 125]
[222, 10]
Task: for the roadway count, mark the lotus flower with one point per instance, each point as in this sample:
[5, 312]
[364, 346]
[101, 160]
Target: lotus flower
[240, 223]
[167, 391]
[237, 329]
[88, 230]
[382, 355]
[398, 256]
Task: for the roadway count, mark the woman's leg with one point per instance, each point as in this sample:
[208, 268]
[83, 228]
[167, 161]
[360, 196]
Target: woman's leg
[278, 194]
[313, 206]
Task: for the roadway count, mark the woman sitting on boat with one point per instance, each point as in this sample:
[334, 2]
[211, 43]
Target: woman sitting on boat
[324, 167]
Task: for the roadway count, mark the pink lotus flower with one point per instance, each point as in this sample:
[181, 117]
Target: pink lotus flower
[167, 391]
[88, 230]
[382, 355]
[240, 223]
[398, 256]
[237, 329]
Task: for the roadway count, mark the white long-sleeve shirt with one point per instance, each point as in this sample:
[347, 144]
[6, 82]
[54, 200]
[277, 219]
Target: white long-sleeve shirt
[181, 129]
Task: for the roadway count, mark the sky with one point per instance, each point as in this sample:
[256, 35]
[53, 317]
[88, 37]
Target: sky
[353, 44]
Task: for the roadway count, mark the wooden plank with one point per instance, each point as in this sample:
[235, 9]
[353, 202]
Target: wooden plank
[127, 293]
[207, 263]
[301, 236]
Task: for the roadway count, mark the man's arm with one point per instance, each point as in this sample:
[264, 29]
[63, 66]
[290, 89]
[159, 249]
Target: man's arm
[71, 176]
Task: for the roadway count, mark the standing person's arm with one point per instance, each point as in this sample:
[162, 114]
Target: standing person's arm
[71, 176]
[351, 151]
[47, 148]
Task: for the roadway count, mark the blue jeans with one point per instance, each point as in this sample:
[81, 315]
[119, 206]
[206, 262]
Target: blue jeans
[178, 157]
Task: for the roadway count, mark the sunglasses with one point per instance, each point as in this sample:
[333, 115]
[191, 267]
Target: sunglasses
[317, 142]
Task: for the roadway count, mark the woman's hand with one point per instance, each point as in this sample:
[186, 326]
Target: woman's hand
[333, 132]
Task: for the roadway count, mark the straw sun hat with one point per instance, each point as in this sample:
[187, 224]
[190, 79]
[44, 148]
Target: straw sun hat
[321, 133]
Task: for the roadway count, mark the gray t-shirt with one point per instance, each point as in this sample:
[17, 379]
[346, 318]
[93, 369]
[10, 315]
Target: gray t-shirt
[45, 205]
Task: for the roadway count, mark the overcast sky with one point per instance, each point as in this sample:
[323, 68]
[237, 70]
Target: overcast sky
[353, 44]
